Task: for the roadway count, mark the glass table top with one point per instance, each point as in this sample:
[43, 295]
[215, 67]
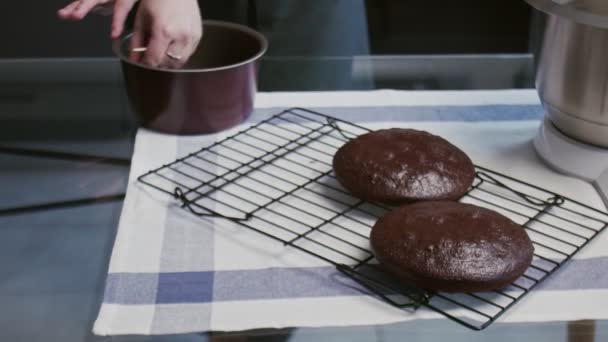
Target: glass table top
[56, 239]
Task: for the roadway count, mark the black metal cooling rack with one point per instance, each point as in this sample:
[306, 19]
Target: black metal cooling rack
[276, 178]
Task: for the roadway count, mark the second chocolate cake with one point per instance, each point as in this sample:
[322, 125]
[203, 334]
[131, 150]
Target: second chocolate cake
[451, 246]
[395, 166]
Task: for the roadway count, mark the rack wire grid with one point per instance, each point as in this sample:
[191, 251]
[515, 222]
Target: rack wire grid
[276, 178]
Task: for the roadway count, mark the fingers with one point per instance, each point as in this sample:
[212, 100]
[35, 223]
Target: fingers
[121, 11]
[181, 48]
[138, 41]
[177, 54]
[84, 8]
[79, 9]
[66, 12]
[170, 35]
[183, 44]
[105, 9]
[157, 48]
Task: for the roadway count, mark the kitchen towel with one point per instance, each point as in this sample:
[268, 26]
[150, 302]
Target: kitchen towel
[171, 272]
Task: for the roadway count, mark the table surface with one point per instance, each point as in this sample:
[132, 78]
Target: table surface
[54, 259]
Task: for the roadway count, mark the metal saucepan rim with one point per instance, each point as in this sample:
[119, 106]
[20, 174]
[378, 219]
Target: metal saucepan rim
[117, 44]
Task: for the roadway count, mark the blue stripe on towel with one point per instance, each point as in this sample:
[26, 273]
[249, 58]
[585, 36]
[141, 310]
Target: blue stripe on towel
[280, 283]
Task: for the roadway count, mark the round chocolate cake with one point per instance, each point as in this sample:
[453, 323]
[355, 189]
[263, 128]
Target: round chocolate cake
[395, 166]
[451, 246]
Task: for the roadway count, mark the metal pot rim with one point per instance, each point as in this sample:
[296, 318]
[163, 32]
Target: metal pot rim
[117, 43]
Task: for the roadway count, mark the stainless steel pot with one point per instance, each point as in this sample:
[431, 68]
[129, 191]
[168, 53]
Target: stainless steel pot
[572, 76]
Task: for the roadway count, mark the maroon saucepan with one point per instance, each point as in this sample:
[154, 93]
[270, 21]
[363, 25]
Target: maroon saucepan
[214, 91]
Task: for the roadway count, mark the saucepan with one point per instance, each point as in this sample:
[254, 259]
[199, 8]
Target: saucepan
[213, 91]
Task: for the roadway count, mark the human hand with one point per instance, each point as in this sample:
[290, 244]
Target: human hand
[169, 30]
[79, 9]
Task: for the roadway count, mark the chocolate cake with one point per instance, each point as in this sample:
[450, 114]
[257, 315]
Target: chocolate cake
[396, 166]
[451, 246]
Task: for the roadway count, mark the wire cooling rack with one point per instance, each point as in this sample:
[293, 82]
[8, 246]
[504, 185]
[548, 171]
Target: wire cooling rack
[276, 178]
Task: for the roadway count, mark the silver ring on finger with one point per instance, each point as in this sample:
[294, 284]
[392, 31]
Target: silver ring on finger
[174, 56]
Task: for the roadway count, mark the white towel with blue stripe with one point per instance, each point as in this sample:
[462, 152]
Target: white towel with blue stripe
[172, 272]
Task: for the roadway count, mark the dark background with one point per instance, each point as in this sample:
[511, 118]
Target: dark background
[395, 27]
[440, 26]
